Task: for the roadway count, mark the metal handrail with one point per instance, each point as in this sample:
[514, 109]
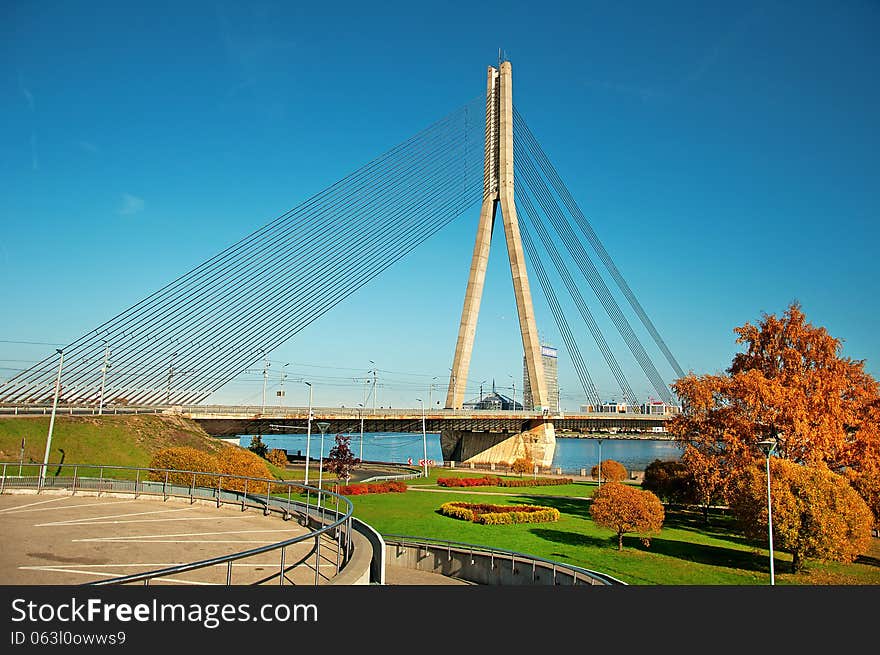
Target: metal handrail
[317, 512]
[405, 540]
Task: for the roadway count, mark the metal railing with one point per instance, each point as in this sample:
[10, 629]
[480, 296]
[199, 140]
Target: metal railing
[500, 555]
[318, 509]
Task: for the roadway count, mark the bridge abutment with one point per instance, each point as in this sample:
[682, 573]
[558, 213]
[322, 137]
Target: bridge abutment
[537, 442]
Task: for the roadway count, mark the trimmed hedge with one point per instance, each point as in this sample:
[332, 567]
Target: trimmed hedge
[485, 481]
[537, 482]
[493, 481]
[390, 486]
[485, 514]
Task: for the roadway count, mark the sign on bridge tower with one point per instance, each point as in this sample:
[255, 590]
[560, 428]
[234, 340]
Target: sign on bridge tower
[498, 183]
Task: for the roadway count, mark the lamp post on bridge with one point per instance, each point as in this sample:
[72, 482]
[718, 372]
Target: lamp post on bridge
[103, 377]
[513, 380]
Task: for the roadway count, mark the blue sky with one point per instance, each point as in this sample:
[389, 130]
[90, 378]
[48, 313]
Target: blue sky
[726, 154]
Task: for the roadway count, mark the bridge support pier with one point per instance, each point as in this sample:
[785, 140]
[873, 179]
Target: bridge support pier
[537, 441]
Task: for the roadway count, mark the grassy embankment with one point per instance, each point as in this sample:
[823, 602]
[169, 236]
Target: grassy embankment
[118, 440]
[685, 552]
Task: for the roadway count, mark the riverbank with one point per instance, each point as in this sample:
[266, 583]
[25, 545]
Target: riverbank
[653, 436]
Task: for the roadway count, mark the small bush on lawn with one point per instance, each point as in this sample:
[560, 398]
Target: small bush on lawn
[390, 486]
[277, 457]
[499, 514]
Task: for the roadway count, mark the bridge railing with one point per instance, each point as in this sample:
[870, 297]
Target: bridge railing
[488, 565]
[320, 511]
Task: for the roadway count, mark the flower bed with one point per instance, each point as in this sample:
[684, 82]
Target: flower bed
[493, 481]
[391, 486]
[499, 514]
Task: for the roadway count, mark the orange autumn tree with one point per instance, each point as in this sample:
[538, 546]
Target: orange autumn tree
[791, 377]
[816, 513]
[612, 471]
[624, 509]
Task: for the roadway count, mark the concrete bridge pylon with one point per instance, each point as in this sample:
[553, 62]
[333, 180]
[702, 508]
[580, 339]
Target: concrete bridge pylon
[538, 442]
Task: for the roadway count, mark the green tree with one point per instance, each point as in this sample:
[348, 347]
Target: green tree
[257, 446]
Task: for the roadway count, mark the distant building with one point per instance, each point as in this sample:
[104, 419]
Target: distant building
[612, 407]
[493, 401]
[659, 408]
[550, 359]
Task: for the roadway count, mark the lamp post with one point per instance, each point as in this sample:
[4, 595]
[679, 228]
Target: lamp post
[513, 380]
[322, 426]
[600, 463]
[768, 447]
[454, 391]
[103, 378]
[52, 420]
[424, 437]
[308, 431]
[361, 413]
[265, 380]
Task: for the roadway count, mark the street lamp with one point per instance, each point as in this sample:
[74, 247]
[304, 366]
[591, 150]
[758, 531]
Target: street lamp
[103, 377]
[513, 379]
[424, 437]
[308, 432]
[361, 413]
[322, 426]
[768, 447]
[52, 420]
[600, 463]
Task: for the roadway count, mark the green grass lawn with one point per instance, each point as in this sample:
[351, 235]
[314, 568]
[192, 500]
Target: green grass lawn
[685, 552]
[130, 440]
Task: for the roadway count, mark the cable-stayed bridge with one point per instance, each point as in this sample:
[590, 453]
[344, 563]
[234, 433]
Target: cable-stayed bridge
[198, 333]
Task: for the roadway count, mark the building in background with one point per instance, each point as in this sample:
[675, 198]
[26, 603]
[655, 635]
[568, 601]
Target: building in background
[550, 359]
[493, 401]
[659, 408]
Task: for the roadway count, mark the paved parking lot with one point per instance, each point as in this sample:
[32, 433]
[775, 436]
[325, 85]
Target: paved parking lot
[64, 539]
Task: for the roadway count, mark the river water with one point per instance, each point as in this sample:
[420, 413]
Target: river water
[571, 454]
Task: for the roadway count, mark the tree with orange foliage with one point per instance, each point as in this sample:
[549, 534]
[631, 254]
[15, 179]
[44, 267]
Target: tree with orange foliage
[611, 471]
[792, 378]
[816, 513]
[624, 509]
[277, 457]
[522, 465]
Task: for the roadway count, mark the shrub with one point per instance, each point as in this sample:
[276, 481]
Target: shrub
[611, 471]
[341, 460]
[522, 465]
[537, 482]
[485, 481]
[816, 513]
[626, 509]
[183, 458]
[486, 514]
[670, 480]
[277, 457]
[236, 461]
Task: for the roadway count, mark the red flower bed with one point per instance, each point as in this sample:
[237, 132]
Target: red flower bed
[485, 481]
[389, 486]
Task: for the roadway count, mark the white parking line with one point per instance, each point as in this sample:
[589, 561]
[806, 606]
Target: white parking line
[64, 507]
[42, 502]
[87, 520]
[182, 534]
[109, 575]
[186, 518]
